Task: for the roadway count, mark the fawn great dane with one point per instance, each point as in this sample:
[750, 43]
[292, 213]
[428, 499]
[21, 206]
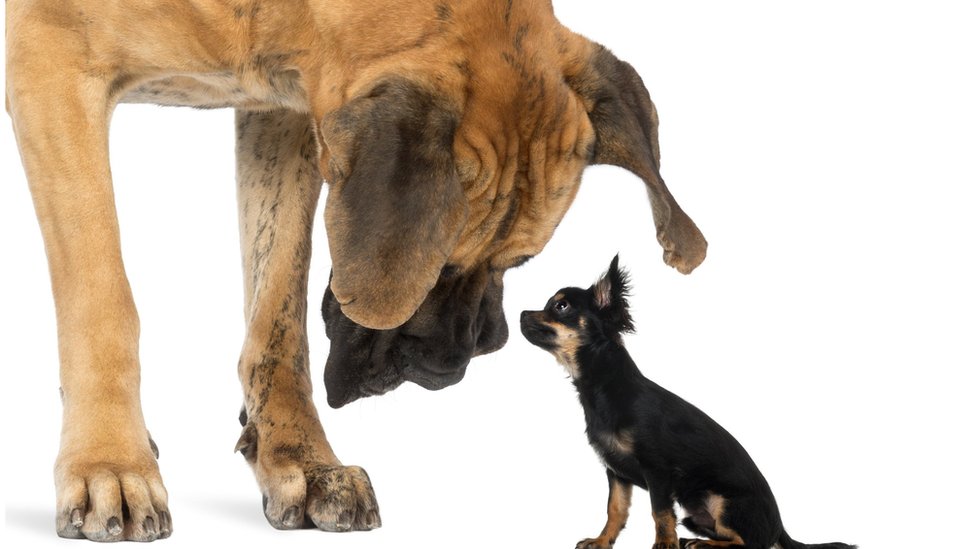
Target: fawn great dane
[453, 136]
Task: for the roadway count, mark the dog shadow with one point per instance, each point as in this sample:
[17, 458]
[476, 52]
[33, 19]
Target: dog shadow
[237, 510]
[33, 520]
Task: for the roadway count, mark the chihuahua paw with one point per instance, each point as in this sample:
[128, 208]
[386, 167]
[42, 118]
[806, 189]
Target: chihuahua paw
[595, 543]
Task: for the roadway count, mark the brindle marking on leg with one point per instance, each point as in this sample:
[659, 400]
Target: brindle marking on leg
[444, 12]
[519, 37]
[283, 439]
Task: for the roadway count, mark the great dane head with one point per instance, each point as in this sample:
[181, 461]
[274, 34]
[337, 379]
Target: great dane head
[457, 163]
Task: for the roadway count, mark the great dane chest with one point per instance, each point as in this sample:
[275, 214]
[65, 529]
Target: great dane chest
[262, 86]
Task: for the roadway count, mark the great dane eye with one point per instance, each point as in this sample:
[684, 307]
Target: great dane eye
[561, 306]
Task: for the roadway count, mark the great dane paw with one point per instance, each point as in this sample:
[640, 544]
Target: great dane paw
[334, 498]
[111, 501]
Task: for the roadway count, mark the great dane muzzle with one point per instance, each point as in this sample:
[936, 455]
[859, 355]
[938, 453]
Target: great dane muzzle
[461, 318]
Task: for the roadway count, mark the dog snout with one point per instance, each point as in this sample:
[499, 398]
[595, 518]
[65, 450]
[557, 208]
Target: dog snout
[461, 318]
[535, 329]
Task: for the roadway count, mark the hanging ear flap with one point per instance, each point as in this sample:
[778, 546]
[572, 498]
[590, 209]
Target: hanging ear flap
[625, 122]
[610, 296]
[395, 207]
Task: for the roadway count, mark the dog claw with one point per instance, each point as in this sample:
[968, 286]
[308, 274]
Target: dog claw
[114, 526]
[77, 520]
[149, 526]
[373, 520]
[165, 524]
[290, 518]
[344, 524]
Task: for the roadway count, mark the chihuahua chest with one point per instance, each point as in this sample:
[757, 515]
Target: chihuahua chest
[616, 448]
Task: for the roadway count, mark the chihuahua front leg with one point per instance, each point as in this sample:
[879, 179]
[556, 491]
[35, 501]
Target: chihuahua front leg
[618, 509]
[665, 519]
[301, 479]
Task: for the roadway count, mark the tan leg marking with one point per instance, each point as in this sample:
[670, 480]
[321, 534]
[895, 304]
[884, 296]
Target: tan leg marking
[665, 530]
[618, 510]
[716, 507]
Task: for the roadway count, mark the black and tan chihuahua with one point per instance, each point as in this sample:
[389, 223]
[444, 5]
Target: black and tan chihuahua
[650, 437]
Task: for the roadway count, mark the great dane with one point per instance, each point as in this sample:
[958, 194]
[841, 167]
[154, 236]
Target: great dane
[453, 136]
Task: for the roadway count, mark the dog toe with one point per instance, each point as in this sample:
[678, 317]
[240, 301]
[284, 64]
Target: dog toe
[341, 499]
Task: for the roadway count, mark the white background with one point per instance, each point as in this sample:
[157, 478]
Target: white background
[825, 149]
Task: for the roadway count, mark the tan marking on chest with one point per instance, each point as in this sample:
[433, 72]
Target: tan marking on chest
[621, 442]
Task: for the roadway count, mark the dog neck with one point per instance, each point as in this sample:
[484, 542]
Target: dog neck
[605, 368]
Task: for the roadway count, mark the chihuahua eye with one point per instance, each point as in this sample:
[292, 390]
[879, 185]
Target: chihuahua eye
[561, 306]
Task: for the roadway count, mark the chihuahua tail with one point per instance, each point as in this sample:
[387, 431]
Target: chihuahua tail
[786, 542]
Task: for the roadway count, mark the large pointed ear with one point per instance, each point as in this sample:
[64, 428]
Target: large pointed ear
[395, 207]
[625, 122]
[610, 297]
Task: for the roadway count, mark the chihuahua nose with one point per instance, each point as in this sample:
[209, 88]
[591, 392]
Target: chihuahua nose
[524, 314]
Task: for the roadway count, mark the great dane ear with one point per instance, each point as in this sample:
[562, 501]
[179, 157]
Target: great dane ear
[625, 122]
[395, 207]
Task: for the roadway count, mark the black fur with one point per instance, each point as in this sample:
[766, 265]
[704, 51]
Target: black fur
[648, 436]
[461, 318]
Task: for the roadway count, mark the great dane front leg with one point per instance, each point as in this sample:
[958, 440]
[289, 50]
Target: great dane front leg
[300, 477]
[107, 481]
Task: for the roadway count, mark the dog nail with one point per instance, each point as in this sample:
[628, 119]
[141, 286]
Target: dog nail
[165, 524]
[76, 519]
[149, 525]
[290, 518]
[114, 526]
[345, 520]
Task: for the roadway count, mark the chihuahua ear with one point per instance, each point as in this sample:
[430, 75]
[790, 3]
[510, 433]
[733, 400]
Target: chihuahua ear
[395, 207]
[610, 296]
[625, 122]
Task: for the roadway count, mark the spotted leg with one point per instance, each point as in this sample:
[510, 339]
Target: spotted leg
[301, 479]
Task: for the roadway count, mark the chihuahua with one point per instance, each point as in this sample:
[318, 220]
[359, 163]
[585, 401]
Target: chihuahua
[650, 437]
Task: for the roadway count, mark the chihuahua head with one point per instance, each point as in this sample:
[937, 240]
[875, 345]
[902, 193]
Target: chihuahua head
[575, 318]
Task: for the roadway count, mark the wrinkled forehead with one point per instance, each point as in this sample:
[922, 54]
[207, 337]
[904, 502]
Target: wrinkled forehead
[467, 153]
[520, 168]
